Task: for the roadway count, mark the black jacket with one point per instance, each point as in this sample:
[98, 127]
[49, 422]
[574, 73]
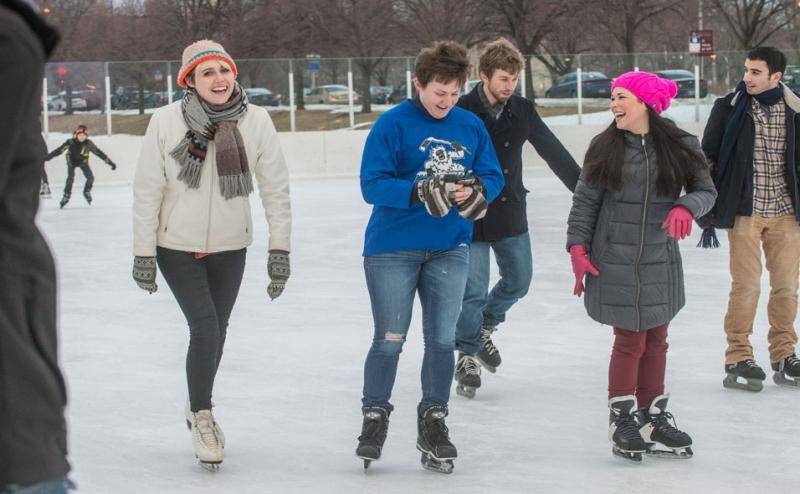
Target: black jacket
[77, 151]
[32, 394]
[518, 123]
[735, 197]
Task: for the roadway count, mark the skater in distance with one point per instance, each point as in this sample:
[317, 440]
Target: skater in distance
[511, 121]
[429, 170]
[192, 219]
[78, 148]
[752, 139]
[630, 188]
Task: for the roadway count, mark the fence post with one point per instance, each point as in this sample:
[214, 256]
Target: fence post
[522, 78]
[292, 122]
[696, 93]
[408, 78]
[169, 82]
[579, 84]
[46, 113]
[350, 92]
[108, 101]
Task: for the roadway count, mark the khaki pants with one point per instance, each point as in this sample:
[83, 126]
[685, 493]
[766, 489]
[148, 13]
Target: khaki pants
[781, 240]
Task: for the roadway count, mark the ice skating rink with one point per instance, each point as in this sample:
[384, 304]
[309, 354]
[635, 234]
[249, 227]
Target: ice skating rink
[288, 389]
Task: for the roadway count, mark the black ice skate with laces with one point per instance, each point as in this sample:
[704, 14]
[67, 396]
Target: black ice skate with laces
[489, 355]
[787, 371]
[660, 434]
[467, 375]
[623, 430]
[747, 370]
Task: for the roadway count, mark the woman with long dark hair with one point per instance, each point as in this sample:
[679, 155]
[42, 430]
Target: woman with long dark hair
[626, 219]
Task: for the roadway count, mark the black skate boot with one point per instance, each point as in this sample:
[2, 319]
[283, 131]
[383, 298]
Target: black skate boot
[373, 434]
[623, 430]
[467, 375]
[489, 356]
[787, 371]
[64, 201]
[433, 441]
[662, 437]
[748, 370]
[88, 196]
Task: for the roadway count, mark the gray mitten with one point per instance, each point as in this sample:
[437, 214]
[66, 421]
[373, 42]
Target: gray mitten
[475, 206]
[279, 271]
[434, 193]
[144, 273]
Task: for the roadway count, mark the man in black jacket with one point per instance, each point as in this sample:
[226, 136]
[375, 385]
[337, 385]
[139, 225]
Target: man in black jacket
[32, 395]
[752, 140]
[511, 120]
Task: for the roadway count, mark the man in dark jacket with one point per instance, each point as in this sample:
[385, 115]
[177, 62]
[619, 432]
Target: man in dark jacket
[32, 395]
[752, 140]
[511, 120]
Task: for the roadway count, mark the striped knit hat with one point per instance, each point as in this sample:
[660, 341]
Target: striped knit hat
[199, 52]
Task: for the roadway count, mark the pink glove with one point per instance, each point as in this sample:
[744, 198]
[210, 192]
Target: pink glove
[580, 266]
[679, 221]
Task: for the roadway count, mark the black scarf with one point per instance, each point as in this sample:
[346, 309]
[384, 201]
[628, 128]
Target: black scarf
[722, 168]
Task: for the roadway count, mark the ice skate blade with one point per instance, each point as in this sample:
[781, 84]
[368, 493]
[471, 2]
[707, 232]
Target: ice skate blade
[466, 391]
[782, 379]
[672, 454]
[630, 456]
[211, 467]
[434, 465]
[754, 385]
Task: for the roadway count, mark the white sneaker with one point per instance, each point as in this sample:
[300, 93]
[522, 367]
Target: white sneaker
[187, 412]
[207, 447]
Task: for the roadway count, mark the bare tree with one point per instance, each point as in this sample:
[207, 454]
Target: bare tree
[426, 21]
[753, 22]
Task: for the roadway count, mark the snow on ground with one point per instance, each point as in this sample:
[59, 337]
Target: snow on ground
[288, 391]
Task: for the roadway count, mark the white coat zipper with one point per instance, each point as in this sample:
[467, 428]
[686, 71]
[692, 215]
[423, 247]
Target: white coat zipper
[641, 240]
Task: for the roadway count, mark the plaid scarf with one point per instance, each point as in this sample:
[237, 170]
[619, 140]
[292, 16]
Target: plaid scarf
[216, 123]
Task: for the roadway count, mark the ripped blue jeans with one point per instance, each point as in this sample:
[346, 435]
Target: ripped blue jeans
[393, 279]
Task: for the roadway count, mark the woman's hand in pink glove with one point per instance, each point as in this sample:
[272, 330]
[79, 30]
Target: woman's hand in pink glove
[679, 221]
[580, 266]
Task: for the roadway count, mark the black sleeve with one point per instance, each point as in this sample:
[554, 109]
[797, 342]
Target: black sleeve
[715, 129]
[96, 150]
[57, 151]
[552, 151]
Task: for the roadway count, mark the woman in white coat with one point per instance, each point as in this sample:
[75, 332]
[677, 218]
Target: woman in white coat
[191, 215]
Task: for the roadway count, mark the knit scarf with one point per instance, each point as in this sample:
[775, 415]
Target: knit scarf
[723, 167]
[216, 123]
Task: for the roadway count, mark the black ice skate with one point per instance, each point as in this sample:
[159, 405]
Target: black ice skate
[433, 441]
[662, 438]
[64, 201]
[787, 371]
[373, 434]
[467, 375]
[747, 370]
[623, 430]
[88, 196]
[489, 356]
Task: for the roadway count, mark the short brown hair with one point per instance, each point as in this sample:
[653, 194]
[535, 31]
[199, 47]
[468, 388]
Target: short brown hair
[501, 54]
[443, 61]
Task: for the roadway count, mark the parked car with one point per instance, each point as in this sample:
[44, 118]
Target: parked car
[261, 96]
[58, 102]
[163, 96]
[380, 94]
[470, 84]
[594, 85]
[398, 95]
[791, 77]
[685, 81]
[94, 99]
[127, 98]
[330, 94]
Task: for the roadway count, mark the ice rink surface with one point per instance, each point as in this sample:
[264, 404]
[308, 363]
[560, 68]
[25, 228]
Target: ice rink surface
[289, 387]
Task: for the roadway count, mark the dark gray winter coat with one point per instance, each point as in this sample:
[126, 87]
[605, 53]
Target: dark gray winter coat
[640, 285]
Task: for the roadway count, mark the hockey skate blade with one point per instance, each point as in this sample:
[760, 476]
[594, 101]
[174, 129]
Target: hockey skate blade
[629, 456]
[209, 466]
[434, 465]
[672, 454]
[782, 380]
[465, 391]
[731, 381]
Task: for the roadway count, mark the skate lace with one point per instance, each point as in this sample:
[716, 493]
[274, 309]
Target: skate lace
[372, 430]
[207, 430]
[662, 422]
[469, 365]
[627, 427]
[750, 363]
[438, 431]
[486, 335]
[792, 360]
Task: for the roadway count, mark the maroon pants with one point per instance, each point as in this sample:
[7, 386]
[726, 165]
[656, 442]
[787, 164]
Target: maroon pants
[638, 363]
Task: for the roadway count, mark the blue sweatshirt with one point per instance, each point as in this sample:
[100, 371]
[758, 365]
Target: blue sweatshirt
[404, 145]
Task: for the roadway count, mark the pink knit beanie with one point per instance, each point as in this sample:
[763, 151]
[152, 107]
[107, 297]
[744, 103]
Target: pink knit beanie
[199, 52]
[648, 87]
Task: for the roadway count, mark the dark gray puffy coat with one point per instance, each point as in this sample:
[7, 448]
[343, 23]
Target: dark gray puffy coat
[640, 285]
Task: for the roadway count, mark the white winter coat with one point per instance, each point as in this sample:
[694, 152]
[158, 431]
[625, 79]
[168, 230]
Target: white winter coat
[167, 213]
